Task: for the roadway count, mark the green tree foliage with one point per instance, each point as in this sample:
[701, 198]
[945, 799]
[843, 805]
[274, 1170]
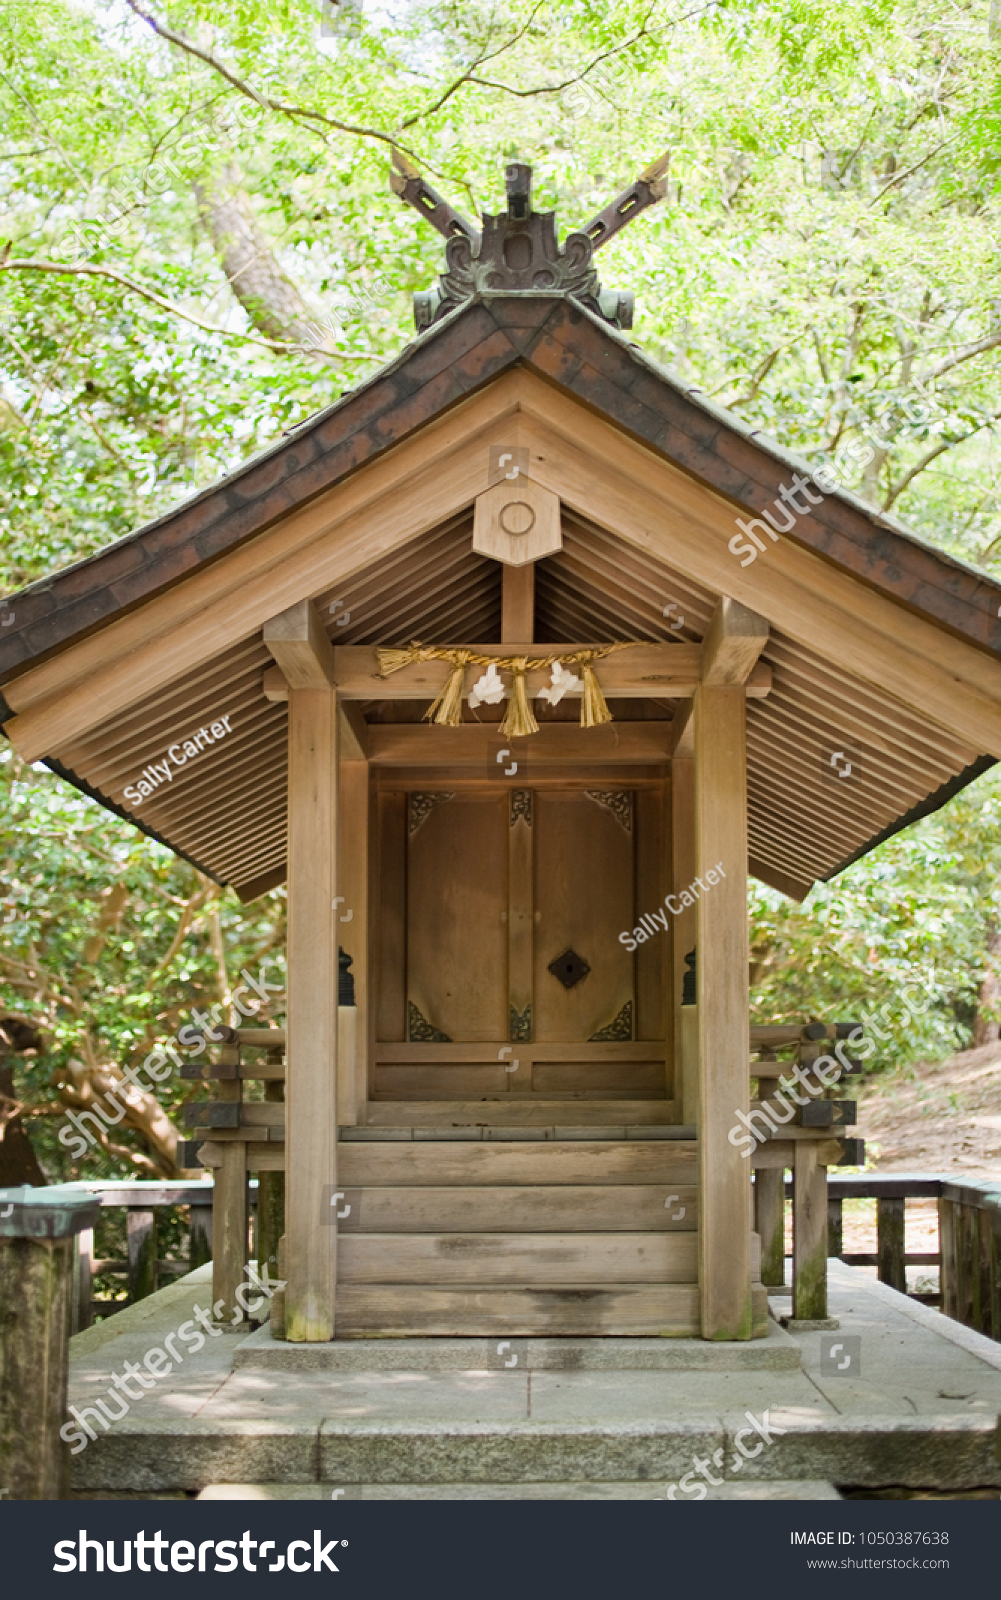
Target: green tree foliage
[825, 263]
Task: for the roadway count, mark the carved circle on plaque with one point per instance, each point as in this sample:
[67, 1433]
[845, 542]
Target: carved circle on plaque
[516, 517]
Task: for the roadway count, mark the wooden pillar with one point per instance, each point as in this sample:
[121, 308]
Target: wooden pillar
[890, 1242]
[683, 923]
[311, 1018]
[141, 1238]
[200, 1234]
[271, 1191]
[518, 604]
[229, 1202]
[83, 1282]
[352, 917]
[769, 1206]
[36, 1293]
[301, 648]
[835, 1227]
[724, 1033]
[809, 1234]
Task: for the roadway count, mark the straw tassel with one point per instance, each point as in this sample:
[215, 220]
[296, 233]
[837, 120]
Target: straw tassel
[519, 718]
[391, 660]
[447, 709]
[593, 705]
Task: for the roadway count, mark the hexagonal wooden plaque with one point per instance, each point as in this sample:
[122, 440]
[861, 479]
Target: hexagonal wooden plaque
[517, 522]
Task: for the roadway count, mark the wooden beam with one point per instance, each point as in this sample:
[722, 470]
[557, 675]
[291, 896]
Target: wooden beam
[778, 880]
[311, 1025]
[682, 737]
[662, 671]
[648, 502]
[724, 1039]
[421, 744]
[518, 602]
[353, 733]
[733, 642]
[405, 492]
[299, 644]
[656, 507]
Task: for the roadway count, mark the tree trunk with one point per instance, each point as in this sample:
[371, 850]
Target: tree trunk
[18, 1162]
[270, 298]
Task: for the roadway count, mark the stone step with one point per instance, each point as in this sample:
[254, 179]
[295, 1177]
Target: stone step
[808, 1489]
[777, 1352]
[944, 1450]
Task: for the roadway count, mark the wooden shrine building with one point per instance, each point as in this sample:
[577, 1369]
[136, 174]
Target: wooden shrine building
[523, 1126]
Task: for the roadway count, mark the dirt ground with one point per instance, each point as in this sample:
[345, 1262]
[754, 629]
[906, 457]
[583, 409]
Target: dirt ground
[942, 1117]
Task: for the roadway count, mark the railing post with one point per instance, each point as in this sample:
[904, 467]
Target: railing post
[947, 1255]
[271, 1190]
[83, 1281]
[141, 1233]
[890, 1242]
[809, 1234]
[835, 1227]
[37, 1250]
[769, 1208]
[200, 1233]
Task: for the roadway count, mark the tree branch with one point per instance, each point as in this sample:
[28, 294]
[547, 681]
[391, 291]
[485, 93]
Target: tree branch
[965, 353]
[263, 100]
[154, 299]
[899, 177]
[931, 455]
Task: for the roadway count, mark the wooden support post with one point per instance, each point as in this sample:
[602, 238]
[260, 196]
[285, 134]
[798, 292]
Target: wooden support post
[769, 1208]
[809, 1234]
[199, 1235]
[520, 926]
[683, 924]
[992, 1219]
[724, 1038]
[311, 1088]
[947, 1258]
[518, 603]
[270, 1192]
[835, 1227]
[352, 933]
[229, 1227]
[141, 1235]
[83, 1282]
[302, 649]
[890, 1242]
[36, 1293]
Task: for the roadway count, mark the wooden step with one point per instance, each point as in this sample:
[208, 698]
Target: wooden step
[443, 1311]
[638, 1079]
[508, 1208]
[579, 1161]
[510, 1110]
[533, 1260]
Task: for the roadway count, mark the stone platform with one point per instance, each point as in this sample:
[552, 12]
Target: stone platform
[247, 1417]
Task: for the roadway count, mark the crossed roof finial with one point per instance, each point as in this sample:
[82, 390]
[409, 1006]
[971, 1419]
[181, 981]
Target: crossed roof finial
[518, 250]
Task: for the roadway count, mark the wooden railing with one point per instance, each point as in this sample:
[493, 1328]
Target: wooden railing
[143, 1269]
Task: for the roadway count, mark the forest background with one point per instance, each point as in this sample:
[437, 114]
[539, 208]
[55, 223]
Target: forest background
[199, 247]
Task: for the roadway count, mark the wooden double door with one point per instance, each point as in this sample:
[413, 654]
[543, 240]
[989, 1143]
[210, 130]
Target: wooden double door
[501, 910]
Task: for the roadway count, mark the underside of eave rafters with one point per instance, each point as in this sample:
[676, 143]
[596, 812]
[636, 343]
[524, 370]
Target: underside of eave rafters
[598, 472]
[645, 557]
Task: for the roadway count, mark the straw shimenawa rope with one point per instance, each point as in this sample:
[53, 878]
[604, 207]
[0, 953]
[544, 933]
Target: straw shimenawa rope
[519, 719]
